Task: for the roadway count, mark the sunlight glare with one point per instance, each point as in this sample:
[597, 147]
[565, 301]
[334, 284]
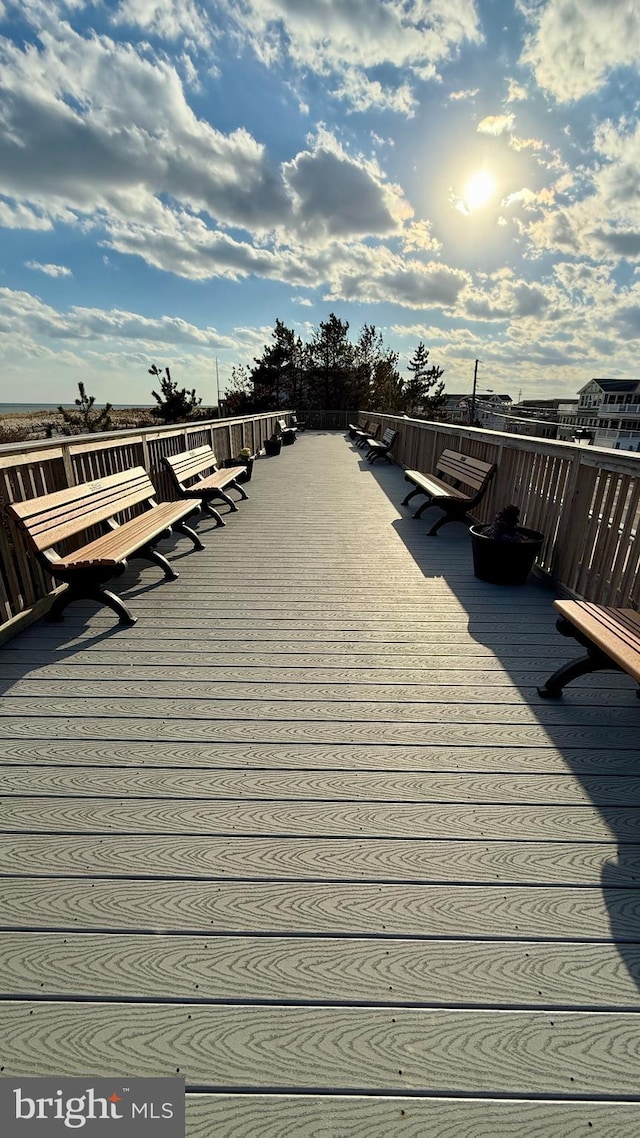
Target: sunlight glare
[478, 190]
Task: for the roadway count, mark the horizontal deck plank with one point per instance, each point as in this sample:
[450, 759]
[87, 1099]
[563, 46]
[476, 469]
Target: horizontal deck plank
[520, 1053]
[316, 859]
[489, 789]
[478, 755]
[348, 972]
[497, 689]
[325, 1116]
[335, 819]
[294, 908]
[222, 731]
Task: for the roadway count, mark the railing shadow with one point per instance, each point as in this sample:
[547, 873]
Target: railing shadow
[595, 727]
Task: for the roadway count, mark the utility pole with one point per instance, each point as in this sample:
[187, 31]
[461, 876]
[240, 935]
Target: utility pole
[472, 409]
[217, 388]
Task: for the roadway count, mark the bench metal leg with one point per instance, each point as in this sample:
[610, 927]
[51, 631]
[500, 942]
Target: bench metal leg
[410, 495]
[421, 508]
[445, 519]
[225, 498]
[182, 527]
[213, 513]
[241, 490]
[90, 593]
[150, 554]
[433, 532]
[595, 661]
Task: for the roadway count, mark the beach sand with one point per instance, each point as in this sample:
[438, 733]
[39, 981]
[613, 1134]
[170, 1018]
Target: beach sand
[28, 426]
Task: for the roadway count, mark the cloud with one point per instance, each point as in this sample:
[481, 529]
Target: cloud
[24, 313]
[335, 196]
[507, 300]
[576, 43]
[20, 216]
[95, 131]
[50, 270]
[496, 124]
[470, 93]
[516, 93]
[603, 219]
[363, 94]
[167, 19]
[331, 37]
[91, 125]
[378, 275]
[417, 235]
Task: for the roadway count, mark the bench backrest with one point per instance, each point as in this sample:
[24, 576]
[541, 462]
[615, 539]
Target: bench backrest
[53, 517]
[190, 463]
[463, 470]
[389, 437]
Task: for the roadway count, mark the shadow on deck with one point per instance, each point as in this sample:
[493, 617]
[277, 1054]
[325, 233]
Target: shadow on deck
[307, 834]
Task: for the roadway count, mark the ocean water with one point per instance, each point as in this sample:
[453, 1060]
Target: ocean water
[23, 408]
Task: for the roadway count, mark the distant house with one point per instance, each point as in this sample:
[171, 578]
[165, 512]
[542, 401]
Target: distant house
[610, 410]
[488, 406]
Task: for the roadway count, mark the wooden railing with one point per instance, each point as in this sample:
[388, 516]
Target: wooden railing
[30, 469]
[326, 420]
[586, 500]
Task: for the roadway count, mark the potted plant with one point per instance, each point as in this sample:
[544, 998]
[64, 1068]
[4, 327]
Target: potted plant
[504, 552]
[274, 444]
[245, 458]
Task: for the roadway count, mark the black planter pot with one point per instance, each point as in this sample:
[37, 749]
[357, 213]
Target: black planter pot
[504, 562]
[272, 446]
[242, 460]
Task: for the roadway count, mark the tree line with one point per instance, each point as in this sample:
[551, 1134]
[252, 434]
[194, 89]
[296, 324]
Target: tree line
[332, 372]
[329, 372]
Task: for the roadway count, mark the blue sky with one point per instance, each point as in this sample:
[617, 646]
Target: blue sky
[175, 174]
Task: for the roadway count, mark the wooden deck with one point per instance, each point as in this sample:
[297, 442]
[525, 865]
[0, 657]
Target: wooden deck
[307, 836]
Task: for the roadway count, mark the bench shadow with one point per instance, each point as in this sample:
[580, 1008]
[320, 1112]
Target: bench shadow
[593, 754]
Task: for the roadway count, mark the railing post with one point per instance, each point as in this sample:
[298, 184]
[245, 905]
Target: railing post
[67, 462]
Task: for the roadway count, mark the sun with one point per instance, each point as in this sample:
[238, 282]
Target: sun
[479, 190]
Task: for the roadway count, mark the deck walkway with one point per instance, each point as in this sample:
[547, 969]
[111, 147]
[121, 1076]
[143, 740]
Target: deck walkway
[307, 836]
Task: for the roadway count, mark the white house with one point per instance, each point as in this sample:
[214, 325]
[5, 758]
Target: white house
[610, 410]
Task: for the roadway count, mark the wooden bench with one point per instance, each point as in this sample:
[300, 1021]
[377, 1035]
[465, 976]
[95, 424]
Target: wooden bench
[370, 432]
[459, 483]
[358, 428]
[288, 433]
[380, 449]
[195, 474]
[610, 635]
[51, 519]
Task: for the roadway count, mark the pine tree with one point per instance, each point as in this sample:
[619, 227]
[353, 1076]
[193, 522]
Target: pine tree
[87, 419]
[277, 374]
[329, 363]
[423, 394]
[174, 406]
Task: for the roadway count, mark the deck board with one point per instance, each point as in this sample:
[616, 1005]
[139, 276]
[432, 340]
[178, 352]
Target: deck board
[308, 833]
